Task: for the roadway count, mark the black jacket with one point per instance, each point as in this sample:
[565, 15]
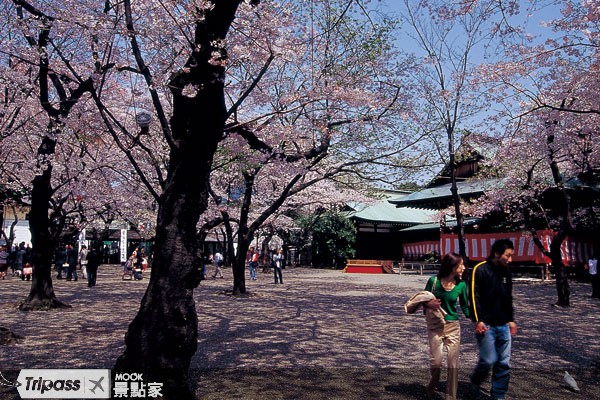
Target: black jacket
[94, 259]
[60, 256]
[491, 294]
[72, 257]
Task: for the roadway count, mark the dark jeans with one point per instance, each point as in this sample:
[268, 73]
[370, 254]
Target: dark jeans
[277, 272]
[595, 285]
[72, 272]
[253, 266]
[91, 276]
[59, 269]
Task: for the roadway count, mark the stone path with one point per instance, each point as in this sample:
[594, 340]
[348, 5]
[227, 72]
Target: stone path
[321, 335]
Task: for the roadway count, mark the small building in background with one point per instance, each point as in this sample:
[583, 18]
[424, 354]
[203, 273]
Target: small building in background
[379, 226]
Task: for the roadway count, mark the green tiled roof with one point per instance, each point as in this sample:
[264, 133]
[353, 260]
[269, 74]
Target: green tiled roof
[432, 197]
[385, 212]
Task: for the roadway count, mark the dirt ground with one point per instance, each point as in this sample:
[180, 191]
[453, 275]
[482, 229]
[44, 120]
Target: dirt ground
[322, 334]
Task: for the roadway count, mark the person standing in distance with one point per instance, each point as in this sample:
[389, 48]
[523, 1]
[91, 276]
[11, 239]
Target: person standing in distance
[82, 260]
[72, 256]
[252, 259]
[219, 261]
[493, 313]
[592, 267]
[278, 261]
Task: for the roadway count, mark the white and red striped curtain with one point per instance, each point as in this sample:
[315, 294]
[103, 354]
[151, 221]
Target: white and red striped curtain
[417, 250]
[574, 250]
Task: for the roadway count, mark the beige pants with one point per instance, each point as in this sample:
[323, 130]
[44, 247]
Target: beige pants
[448, 336]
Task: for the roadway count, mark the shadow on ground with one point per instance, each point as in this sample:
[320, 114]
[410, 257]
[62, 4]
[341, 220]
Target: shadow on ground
[322, 334]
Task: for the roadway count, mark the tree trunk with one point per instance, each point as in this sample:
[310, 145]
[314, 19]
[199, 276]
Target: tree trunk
[162, 338]
[245, 236]
[11, 231]
[264, 248]
[238, 268]
[456, 197]
[566, 225]
[229, 248]
[562, 281]
[562, 286]
[41, 295]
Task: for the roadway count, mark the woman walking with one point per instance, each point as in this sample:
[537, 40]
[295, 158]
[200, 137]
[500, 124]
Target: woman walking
[447, 287]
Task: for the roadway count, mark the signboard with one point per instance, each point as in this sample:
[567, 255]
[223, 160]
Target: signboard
[123, 245]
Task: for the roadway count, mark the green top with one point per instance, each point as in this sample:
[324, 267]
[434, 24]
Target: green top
[448, 298]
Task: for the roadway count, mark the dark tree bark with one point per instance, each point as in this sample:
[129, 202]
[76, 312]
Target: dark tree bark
[456, 197]
[566, 223]
[229, 248]
[245, 236]
[162, 338]
[41, 295]
[563, 289]
[11, 231]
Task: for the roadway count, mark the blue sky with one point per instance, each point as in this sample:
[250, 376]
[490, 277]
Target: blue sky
[546, 10]
[533, 25]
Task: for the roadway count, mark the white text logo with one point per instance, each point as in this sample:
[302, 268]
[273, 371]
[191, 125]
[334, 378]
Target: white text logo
[64, 383]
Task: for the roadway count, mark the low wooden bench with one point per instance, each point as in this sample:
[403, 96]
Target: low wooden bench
[419, 267]
[369, 266]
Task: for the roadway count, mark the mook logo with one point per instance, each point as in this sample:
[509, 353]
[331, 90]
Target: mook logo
[64, 384]
[132, 385]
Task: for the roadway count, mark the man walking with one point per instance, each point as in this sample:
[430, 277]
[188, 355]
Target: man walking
[72, 261]
[493, 314]
[94, 259]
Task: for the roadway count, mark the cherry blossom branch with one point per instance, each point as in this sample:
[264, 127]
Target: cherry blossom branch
[107, 117]
[254, 83]
[145, 72]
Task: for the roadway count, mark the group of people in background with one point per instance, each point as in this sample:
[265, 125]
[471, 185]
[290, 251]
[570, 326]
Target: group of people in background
[18, 259]
[68, 260]
[69, 263]
[277, 263]
[136, 264]
[65, 260]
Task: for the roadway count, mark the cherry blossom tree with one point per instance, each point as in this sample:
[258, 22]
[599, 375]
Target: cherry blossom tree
[167, 110]
[69, 53]
[548, 86]
[30, 51]
[319, 112]
[451, 37]
[84, 185]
